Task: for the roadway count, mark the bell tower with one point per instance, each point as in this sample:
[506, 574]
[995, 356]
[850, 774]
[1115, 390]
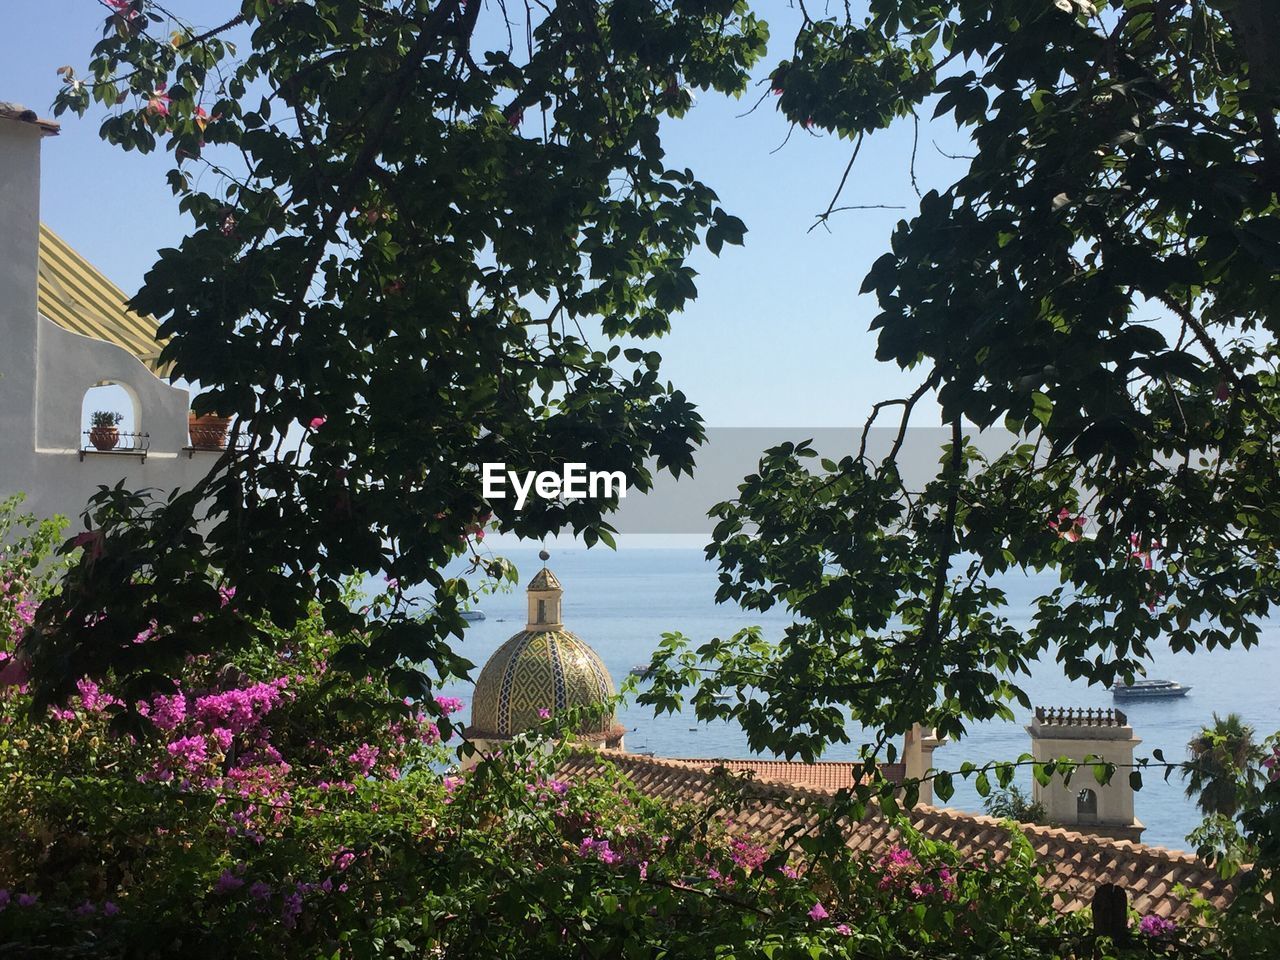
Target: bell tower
[1084, 804]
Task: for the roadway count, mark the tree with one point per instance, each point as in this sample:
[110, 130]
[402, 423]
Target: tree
[1102, 282]
[1224, 759]
[1014, 804]
[401, 219]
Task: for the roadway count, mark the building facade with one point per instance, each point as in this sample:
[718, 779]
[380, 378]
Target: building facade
[65, 330]
[1084, 804]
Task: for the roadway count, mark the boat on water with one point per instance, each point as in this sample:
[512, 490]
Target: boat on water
[1149, 689]
[640, 670]
[473, 615]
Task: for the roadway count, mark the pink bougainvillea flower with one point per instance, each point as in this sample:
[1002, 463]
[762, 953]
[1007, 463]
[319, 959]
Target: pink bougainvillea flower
[844, 929]
[365, 758]
[109, 909]
[316, 423]
[544, 713]
[1154, 925]
[818, 911]
[449, 704]
[202, 118]
[158, 103]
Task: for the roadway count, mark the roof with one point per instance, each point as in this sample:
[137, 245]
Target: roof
[544, 579]
[1078, 863]
[74, 295]
[538, 670]
[16, 111]
[823, 775]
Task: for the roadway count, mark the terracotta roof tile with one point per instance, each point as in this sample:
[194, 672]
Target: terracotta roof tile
[16, 111]
[824, 775]
[1077, 863]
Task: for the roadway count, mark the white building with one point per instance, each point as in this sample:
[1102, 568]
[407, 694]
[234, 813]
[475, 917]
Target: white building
[64, 331]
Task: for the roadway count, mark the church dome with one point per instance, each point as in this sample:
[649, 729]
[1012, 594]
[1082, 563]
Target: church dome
[544, 666]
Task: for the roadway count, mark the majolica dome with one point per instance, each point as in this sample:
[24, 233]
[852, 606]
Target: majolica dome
[543, 667]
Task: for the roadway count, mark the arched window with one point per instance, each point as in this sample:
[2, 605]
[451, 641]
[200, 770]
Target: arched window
[1086, 806]
[111, 399]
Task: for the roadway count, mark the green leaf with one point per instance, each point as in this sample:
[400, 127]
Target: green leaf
[1041, 407]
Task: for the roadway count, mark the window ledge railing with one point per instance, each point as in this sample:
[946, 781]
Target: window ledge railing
[125, 445]
[214, 441]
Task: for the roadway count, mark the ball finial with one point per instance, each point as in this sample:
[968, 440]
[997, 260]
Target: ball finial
[543, 555]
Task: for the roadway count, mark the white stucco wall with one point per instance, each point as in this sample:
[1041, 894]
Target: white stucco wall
[1113, 745]
[45, 371]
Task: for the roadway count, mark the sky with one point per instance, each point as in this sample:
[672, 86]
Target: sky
[778, 336]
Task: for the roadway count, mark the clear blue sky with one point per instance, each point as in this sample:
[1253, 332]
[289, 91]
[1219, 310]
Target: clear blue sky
[778, 336]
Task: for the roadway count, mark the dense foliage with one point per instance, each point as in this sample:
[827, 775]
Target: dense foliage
[410, 213]
[1102, 282]
[235, 824]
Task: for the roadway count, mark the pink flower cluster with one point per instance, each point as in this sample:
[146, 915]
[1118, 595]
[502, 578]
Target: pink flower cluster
[449, 704]
[900, 870]
[593, 847]
[240, 711]
[365, 758]
[1156, 926]
[747, 855]
[204, 728]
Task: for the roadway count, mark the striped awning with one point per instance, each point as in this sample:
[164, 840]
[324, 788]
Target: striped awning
[73, 294]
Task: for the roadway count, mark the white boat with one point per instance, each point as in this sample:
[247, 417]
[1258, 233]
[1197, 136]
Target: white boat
[472, 615]
[1149, 689]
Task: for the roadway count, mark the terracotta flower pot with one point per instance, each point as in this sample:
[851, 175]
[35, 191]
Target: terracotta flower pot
[208, 432]
[104, 438]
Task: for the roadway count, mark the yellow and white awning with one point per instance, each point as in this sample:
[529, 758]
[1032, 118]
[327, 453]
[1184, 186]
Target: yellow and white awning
[73, 294]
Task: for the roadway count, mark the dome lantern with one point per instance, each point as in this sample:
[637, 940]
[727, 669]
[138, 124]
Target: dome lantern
[544, 599]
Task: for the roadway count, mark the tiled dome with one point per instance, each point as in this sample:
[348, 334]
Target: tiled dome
[544, 666]
[534, 670]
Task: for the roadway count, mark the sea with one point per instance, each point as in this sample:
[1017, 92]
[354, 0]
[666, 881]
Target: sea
[622, 602]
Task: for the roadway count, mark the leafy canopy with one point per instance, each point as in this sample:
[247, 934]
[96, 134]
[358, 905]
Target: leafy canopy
[1101, 282]
[401, 219]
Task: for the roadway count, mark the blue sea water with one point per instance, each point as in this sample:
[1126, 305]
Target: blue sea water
[622, 602]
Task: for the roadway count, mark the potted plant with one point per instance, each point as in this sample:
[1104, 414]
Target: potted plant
[104, 432]
[208, 431]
